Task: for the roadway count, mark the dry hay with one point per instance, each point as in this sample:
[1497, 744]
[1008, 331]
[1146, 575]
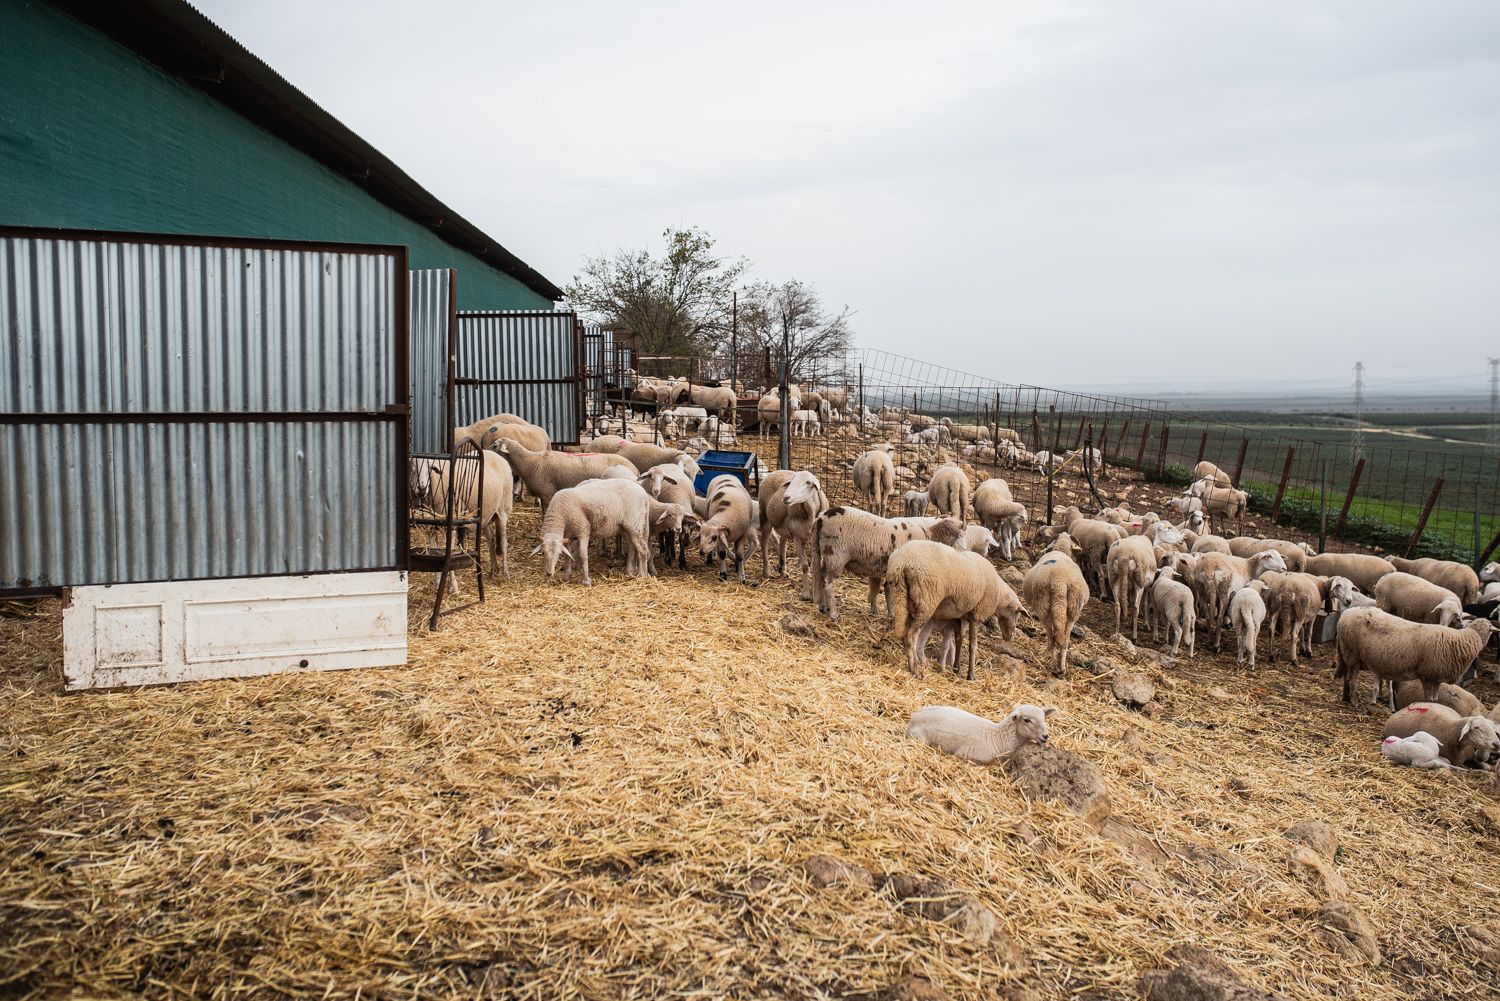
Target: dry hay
[607, 793]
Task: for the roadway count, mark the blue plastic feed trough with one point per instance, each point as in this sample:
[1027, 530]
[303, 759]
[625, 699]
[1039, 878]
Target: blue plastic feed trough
[740, 465]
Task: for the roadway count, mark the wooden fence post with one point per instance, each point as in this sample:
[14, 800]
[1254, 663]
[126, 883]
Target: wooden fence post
[1140, 455]
[1359, 468]
[1494, 544]
[1416, 535]
[1036, 432]
[1081, 422]
[1056, 432]
[1202, 447]
[1161, 457]
[1286, 472]
[1239, 466]
[1120, 441]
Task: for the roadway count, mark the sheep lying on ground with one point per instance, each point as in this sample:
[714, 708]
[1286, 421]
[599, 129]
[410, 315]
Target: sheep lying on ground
[933, 582]
[1055, 592]
[914, 503]
[847, 538]
[545, 473]
[1456, 577]
[1397, 650]
[1420, 750]
[950, 492]
[790, 503]
[729, 528]
[1417, 599]
[1129, 564]
[596, 509]
[976, 739]
[995, 510]
[1247, 610]
[1361, 568]
[875, 476]
[1460, 700]
[1462, 739]
[1172, 603]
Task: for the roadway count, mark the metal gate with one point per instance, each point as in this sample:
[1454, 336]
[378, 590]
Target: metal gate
[432, 299]
[528, 363]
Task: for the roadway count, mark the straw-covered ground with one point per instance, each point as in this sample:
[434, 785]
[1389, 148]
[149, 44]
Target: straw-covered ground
[610, 793]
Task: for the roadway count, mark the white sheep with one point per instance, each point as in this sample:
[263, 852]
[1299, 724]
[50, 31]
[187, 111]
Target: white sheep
[805, 423]
[1420, 750]
[1361, 568]
[847, 538]
[790, 505]
[976, 739]
[596, 509]
[671, 484]
[1396, 650]
[996, 510]
[933, 582]
[875, 476]
[950, 492]
[1247, 610]
[1461, 739]
[1172, 604]
[1456, 577]
[914, 504]
[1417, 599]
[728, 528]
[545, 473]
[1055, 592]
[1128, 565]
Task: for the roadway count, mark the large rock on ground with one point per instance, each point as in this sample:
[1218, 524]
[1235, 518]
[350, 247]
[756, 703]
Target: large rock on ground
[1133, 689]
[1316, 835]
[1198, 975]
[1053, 774]
[936, 901]
[1317, 874]
[1348, 931]
[825, 870]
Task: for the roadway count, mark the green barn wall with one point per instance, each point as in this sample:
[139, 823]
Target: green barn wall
[93, 137]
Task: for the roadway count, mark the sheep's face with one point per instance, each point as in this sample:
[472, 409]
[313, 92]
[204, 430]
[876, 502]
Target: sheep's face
[1268, 561]
[1031, 722]
[713, 541]
[802, 488]
[551, 547]
[1481, 734]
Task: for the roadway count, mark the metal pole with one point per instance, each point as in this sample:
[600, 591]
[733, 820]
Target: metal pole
[861, 390]
[784, 458]
[734, 350]
[1478, 561]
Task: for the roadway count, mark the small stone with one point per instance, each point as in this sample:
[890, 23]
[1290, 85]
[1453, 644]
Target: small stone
[1019, 994]
[1007, 664]
[1218, 693]
[1198, 975]
[914, 989]
[1133, 689]
[797, 624]
[1051, 773]
[1124, 644]
[1316, 835]
[1317, 874]
[1240, 787]
[1482, 942]
[825, 870]
[1487, 819]
[1079, 632]
[1349, 932]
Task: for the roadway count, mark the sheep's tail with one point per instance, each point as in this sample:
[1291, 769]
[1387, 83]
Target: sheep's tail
[896, 579]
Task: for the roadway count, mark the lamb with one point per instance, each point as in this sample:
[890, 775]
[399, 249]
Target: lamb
[1247, 610]
[1417, 599]
[1364, 570]
[688, 419]
[976, 739]
[976, 539]
[995, 510]
[1215, 577]
[1172, 603]
[1130, 562]
[494, 507]
[670, 484]
[1293, 603]
[875, 476]
[950, 492]
[931, 582]
[1207, 470]
[1055, 592]
[1295, 553]
[545, 473]
[790, 505]
[1397, 650]
[1456, 577]
[668, 521]
[847, 538]
[1460, 700]
[728, 528]
[1187, 504]
[1420, 750]
[805, 423]
[602, 509]
[914, 503]
[1462, 739]
[1226, 503]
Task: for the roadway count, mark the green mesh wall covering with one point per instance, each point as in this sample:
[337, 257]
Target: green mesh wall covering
[92, 137]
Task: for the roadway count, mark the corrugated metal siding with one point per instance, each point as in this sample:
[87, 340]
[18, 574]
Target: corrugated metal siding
[524, 363]
[140, 332]
[430, 305]
[594, 340]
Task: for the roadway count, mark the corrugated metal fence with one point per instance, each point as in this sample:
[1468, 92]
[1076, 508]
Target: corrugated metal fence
[432, 338]
[523, 362]
[176, 408]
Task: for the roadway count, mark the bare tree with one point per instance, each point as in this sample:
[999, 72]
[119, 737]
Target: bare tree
[675, 304]
[792, 314]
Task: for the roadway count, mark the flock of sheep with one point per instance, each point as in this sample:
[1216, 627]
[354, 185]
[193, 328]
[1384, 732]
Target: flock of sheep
[1418, 625]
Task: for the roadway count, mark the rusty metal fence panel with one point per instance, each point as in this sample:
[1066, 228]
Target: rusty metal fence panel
[432, 307]
[176, 408]
[528, 363]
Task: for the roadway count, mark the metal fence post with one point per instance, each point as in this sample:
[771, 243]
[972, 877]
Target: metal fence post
[1477, 564]
[1323, 510]
[1416, 535]
[1161, 457]
[1140, 455]
[1359, 468]
[1239, 466]
[1286, 472]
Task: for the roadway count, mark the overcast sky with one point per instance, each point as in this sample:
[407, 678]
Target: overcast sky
[1063, 193]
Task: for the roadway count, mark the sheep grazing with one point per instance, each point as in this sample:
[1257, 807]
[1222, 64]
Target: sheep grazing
[1293, 601]
[974, 738]
[847, 538]
[950, 492]
[1364, 570]
[1247, 610]
[1295, 553]
[995, 510]
[931, 582]
[1207, 470]
[789, 505]
[1215, 577]
[727, 530]
[914, 504]
[597, 509]
[1172, 603]
[1420, 750]
[1463, 739]
[1129, 564]
[671, 484]
[1396, 650]
[1460, 700]
[976, 539]
[1055, 592]
[875, 476]
[545, 473]
[1417, 599]
[494, 507]
[1456, 577]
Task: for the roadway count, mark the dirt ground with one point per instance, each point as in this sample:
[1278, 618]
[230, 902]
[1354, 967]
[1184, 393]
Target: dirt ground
[610, 792]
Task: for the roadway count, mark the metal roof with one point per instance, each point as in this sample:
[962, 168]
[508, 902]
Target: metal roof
[185, 44]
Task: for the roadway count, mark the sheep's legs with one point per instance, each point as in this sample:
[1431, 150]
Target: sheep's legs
[875, 584]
